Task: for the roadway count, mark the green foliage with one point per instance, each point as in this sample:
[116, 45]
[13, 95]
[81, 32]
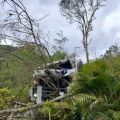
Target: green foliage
[113, 51]
[6, 98]
[97, 94]
[58, 55]
[56, 110]
[77, 112]
[5, 50]
[98, 91]
[16, 73]
[16, 70]
[96, 87]
[117, 116]
[95, 77]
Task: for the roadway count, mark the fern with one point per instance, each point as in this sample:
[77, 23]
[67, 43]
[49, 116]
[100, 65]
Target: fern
[77, 114]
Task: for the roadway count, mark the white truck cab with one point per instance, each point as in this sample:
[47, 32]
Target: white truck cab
[52, 81]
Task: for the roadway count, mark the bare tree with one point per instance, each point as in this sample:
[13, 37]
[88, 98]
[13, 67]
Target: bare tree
[83, 12]
[22, 28]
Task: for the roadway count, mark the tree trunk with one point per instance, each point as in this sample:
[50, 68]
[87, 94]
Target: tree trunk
[23, 109]
[87, 54]
[85, 44]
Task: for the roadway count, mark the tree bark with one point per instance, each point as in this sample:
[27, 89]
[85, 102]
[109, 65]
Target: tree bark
[85, 44]
[23, 109]
[87, 54]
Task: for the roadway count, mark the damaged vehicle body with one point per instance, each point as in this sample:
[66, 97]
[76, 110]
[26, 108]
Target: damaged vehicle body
[52, 81]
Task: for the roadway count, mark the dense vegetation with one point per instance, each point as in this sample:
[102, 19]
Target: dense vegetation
[16, 70]
[6, 50]
[96, 86]
[96, 90]
[97, 94]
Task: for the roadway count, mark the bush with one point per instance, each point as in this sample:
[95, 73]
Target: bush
[6, 98]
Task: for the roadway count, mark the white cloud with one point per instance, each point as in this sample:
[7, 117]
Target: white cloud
[111, 21]
[117, 35]
[106, 26]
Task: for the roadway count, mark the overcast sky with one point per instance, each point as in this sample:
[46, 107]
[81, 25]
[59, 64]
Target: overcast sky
[106, 26]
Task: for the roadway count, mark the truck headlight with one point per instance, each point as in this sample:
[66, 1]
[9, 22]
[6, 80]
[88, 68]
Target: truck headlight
[35, 95]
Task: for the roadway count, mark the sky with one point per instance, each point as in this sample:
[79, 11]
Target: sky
[105, 32]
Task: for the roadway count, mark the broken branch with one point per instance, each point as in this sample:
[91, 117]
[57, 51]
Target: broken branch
[23, 109]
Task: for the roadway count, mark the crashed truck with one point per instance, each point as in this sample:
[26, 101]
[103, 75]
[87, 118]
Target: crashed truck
[52, 81]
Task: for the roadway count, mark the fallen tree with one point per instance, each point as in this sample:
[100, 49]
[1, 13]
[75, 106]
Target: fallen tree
[35, 106]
